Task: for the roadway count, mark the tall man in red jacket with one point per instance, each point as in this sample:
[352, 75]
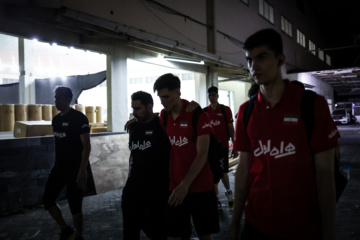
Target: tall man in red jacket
[286, 181]
[191, 180]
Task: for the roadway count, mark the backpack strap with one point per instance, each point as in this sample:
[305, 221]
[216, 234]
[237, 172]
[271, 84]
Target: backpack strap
[195, 119]
[222, 108]
[248, 109]
[165, 117]
[308, 112]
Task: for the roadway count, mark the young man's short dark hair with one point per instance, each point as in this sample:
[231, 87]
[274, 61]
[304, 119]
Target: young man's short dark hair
[266, 37]
[213, 89]
[64, 91]
[169, 81]
[144, 97]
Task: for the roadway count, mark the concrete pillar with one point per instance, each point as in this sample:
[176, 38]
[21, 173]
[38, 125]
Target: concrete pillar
[211, 79]
[27, 69]
[211, 29]
[117, 102]
[200, 89]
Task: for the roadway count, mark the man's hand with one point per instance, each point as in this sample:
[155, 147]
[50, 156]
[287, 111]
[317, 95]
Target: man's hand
[178, 195]
[81, 179]
[128, 124]
[192, 106]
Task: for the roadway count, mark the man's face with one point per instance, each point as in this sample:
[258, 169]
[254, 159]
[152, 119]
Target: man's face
[263, 64]
[169, 98]
[140, 112]
[61, 102]
[213, 97]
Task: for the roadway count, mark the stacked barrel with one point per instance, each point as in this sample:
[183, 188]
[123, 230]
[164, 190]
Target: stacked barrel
[11, 113]
[7, 117]
[95, 117]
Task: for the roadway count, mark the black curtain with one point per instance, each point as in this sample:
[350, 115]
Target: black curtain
[45, 87]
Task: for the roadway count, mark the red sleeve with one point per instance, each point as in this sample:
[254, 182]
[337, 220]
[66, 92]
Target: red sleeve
[204, 126]
[326, 133]
[241, 139]
[229, 117]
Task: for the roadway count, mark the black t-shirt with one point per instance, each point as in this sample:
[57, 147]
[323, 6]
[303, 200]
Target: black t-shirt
[67, 130]
[149, 167]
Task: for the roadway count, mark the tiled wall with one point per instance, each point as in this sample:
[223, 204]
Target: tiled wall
[26, 162]
[24, 166]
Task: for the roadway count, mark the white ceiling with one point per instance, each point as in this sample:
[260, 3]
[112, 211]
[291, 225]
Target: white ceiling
[346, 81]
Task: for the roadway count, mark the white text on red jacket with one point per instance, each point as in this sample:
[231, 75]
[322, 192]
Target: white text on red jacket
[277, 151]
[215, 123]
[206, 125]
[178, 142]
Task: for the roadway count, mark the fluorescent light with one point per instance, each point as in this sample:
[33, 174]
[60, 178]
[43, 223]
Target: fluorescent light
[349, 76]
[184, 60]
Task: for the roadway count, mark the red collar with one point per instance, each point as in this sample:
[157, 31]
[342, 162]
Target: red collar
[287, 97]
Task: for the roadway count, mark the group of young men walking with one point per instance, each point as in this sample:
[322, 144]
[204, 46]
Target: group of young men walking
[284, 182]
[191, 190]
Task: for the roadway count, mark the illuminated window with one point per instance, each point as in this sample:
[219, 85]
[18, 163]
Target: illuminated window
[286, 26]
[266, 10]
[300, 38]
[187, 76]
[321, 55]
[328, 60]
[312, 47]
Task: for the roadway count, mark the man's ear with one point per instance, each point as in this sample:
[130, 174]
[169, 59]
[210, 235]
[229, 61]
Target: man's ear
[281, 60]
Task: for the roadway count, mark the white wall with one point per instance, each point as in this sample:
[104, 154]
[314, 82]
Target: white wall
[240, 90]
[321, 87]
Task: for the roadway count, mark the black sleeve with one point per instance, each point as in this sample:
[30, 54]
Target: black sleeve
[83, 122]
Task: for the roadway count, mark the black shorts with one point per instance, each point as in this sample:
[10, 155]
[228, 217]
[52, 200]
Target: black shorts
[225, 152]
[201, 207]
[61, 175]
[146, 216]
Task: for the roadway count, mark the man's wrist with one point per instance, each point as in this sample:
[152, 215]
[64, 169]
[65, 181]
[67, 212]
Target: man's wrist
[185, 184]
